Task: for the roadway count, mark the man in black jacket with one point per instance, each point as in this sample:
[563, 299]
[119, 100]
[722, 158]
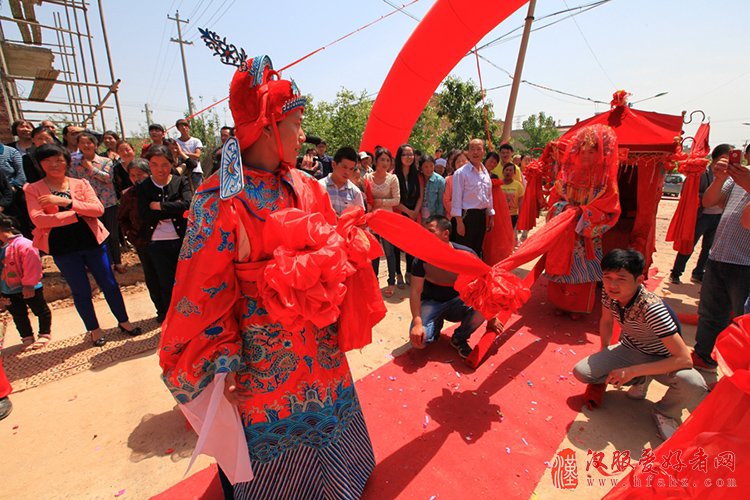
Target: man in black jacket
[163, 200]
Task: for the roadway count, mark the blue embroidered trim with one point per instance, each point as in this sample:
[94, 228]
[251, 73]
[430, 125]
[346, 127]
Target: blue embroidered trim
[315, 422]
[257, 68]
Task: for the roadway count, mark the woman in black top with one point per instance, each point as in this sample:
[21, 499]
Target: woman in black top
[411, 199]
[65, 211]
[162, 201]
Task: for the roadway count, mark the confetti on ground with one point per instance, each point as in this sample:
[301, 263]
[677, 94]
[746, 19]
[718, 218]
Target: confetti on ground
[73, 398]
[572, 352]
[391, 378]
[548, 418]
[458, 375]
[169, 451]
[534, 403]
[507, 450]
[523, 440]
[120, 493]
[426, 422]
[529, 383]
[549, 465]
[468, 438]
[15, 427]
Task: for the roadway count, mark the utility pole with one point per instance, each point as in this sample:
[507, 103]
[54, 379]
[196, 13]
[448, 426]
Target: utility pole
[508, 124]
[182, 43]
[148, 115]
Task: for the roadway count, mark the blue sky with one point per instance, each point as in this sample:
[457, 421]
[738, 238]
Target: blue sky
[692, 49]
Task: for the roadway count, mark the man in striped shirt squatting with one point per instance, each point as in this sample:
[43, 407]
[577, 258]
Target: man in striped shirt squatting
[650, 346]
[341, 190]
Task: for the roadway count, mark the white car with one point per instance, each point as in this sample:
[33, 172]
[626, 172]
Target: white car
[673, 184]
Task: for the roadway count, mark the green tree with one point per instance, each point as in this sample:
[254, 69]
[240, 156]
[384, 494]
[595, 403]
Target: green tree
[425, 134]
[460, 103]
[540, 129]
[341, 122]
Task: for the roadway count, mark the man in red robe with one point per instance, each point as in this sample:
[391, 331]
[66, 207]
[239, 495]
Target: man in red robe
[237, 306]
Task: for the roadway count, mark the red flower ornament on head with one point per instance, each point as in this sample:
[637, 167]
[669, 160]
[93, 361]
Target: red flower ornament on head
[258, 96]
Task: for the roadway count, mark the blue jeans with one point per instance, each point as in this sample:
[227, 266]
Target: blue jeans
[434, 313]
[73, 268]
[390, 258]
[724, 291]
[705, 226]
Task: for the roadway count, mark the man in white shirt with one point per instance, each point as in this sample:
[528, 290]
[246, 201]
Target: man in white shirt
[192, 147]
[341, 190]
[471, 203]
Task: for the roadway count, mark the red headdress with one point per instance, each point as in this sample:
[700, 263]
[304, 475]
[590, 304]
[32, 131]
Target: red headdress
[258, 97]
[584, 176]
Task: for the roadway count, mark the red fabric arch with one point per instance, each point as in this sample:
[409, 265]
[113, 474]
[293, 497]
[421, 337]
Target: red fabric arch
[425, 60]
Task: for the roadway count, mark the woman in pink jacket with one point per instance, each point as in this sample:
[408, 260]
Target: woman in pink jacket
[65, 212]
[21, 283]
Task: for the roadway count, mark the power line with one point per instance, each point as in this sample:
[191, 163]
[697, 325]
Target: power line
[196, 19]
[401, 8]
[507, 38]
[196, 9]
[510, 75]
[162, 39]
[591, 50]
[211, 19]
[550, 89]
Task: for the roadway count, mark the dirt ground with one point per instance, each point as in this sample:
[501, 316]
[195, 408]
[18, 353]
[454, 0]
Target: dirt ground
[116, 432]
[56, 289]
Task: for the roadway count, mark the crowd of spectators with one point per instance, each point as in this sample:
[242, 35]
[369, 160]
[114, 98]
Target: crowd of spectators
[84, 197]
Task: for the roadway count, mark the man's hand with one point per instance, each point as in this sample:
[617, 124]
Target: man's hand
[740, 175]
[155, 205]
[620, 376]
[232, 392]
[28, 292]
[416, 336]
[460, 228]
[721, 170]
[490, 223]
[307, 163]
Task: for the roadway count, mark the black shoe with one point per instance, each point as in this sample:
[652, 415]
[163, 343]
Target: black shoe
[675, 280]
[135, 331]
[462, 346]
[5, 407]
[98, 342]
[696, 279]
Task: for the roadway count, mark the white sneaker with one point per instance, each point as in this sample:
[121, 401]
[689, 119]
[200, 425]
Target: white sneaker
[665, 426]
[637, 391]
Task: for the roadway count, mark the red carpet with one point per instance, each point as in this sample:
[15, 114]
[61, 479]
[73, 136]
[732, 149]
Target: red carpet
[203, 485]
[441, 430]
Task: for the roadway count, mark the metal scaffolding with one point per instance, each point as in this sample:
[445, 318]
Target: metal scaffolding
[58, 56]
